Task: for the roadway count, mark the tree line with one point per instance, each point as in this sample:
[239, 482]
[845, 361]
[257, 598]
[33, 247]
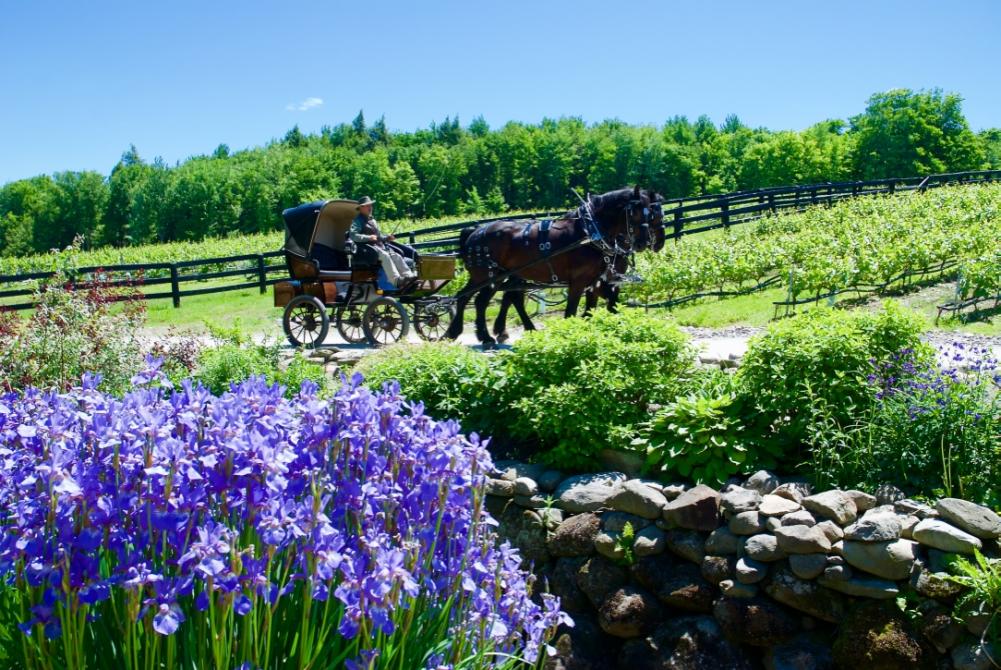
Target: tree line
[453, 169]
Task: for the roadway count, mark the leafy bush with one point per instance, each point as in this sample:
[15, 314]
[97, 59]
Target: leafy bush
[820, 361]
[453, 381]
[236, 359]
[190, 531]
[582, 385]
[706, 436]
[72, 332]
[982, 597]
[932, 430]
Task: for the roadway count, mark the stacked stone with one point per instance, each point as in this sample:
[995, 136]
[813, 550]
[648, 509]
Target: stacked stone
[763, 571]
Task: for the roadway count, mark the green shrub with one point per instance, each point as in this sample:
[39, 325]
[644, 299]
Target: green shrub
[452, 380]
[234, 360]
[982, 595]
[821, 361]
[72, 332]
[706, 435]
[932, 431]
[582, 385]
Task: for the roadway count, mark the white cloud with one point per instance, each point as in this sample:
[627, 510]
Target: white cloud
[305, 105]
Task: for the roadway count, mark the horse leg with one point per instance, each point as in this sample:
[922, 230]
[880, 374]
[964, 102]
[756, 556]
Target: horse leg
[455, 328]
[483, 298]
[518, 300]
[590, 300]
[611, 294]
[574, 294]
[500, 323]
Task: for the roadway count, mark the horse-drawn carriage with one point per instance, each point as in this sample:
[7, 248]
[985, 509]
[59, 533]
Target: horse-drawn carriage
[330, 281]
[589, 247]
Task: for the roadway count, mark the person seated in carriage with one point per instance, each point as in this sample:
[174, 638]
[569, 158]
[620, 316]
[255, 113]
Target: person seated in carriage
[366, 234]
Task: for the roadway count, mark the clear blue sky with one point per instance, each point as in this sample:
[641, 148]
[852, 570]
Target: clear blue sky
[80, 81]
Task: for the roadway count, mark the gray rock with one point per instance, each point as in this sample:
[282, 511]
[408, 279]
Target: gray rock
[747, 523]
[758, 622]
[563, 583]
[750, 571]
[587, 493]
[975, 519]
[598, 577]
[616, 521]
[863, 587]
[807, 597]
[629, 612]
[875, 528]
[887, 494]
[672, 491]
[650, 541]
[526, 531]
[803, 652]
[732, 589]
[800, 518]
[938, 626]
[772, 523]
[762, 481]
[695, 509]
[682, 643]
[738, 500]
[907, 524]
[685, 589]
[575, 536]
[499, 487]
[808, 566]
[774, 505]
[918, 509]
[835, 505]
[936, 585]
[975, 656]
[717, 568]
[802, 540]
[764, 548]
[610, 545]
[863, 501]
[794, 491]
[941, 535]
[524, 486]
[889, 560]
[549, 480]
[721, 542]
[637, 498]
[687, 544]
[831, 530]
[512, 470]
[536, 502]
[839, 573]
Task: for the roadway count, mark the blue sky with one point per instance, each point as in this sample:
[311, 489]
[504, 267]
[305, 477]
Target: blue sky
[80, 81]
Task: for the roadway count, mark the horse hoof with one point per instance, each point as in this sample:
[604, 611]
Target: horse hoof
[489, 346]
[502, 338]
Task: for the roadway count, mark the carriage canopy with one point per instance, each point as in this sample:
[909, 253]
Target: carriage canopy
[323, 222]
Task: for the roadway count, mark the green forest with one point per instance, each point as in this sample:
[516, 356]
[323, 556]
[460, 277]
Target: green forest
[473, 169]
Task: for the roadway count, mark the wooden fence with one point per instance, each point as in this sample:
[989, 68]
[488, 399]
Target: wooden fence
[683, 216]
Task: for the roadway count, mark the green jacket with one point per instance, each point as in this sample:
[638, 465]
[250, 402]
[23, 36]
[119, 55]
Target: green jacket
[364, 230]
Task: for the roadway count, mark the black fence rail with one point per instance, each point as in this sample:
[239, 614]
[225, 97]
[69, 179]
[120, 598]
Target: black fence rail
[247, 271]
[683, 216]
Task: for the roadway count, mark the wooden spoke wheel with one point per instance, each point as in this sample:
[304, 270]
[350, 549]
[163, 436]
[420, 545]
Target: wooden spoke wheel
[306, 321]
[433, 319]
[348, 319]
[385, 321]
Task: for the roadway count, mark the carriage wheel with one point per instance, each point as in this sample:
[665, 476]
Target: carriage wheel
[348, 320]
[306, 322]
[433, 319]
[385, 321]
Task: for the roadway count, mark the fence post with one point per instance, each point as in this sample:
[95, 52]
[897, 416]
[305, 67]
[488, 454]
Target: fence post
[262, 276]
[175, 288]
[771, 202]
[725, 214]
[677, 223]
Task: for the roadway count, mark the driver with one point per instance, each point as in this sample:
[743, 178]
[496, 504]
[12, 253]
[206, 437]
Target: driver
[365, 230]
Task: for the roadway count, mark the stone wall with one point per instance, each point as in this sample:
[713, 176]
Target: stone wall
[765, 573]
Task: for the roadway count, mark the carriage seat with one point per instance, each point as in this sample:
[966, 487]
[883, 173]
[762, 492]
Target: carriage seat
[328, 258]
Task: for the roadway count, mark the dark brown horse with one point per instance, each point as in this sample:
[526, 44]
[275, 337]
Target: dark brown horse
[574, 251]
[606, 286]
